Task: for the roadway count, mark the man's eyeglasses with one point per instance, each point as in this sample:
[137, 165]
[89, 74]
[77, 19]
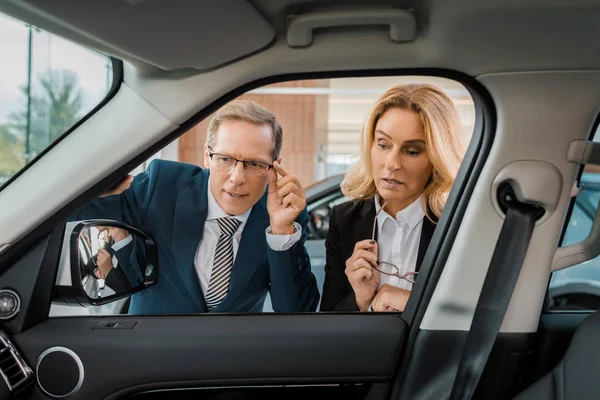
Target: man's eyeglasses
[223, 161]
[392, 270]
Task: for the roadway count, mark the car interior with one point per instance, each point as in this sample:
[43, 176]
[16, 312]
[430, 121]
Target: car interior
[481, 321]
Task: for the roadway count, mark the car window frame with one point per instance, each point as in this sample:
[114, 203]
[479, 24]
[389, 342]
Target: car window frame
[467, 178]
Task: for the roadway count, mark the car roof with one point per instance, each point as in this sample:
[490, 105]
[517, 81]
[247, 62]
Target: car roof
[470, 36]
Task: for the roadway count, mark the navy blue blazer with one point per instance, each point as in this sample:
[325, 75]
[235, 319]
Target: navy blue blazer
[169, 202]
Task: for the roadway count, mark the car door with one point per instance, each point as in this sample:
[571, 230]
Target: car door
[269, 355]
[248, 356]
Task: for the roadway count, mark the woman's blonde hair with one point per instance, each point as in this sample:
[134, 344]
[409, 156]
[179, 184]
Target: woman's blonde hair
[444, 142]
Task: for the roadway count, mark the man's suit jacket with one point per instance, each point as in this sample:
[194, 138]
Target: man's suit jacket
[169, 202]
[349, 223]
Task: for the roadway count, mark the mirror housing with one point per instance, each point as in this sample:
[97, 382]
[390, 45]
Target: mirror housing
[103, 261]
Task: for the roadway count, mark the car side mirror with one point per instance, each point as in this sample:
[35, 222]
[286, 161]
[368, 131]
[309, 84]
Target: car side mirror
[104, 261]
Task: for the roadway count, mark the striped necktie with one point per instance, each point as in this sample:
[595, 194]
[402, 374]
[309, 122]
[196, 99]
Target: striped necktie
[223, 263]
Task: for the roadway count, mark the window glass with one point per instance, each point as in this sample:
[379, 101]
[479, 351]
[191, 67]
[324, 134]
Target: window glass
[47, 85]
[322, 122]
[578, 287]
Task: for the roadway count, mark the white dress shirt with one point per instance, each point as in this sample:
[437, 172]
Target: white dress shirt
[398, 240]
[205, 253]
[118, 246]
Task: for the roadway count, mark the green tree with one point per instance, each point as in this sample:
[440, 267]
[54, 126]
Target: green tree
[12, 157]
[55, 106]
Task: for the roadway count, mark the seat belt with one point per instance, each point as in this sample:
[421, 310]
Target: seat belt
[497, 290]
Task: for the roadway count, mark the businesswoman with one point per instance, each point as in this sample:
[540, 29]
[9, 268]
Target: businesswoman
[411, 150]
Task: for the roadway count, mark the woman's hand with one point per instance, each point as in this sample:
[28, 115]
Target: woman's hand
[361, 274]
[390, 298]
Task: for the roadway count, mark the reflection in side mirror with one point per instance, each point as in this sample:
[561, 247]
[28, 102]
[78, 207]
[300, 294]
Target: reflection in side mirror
[108, 260]
[319, 219]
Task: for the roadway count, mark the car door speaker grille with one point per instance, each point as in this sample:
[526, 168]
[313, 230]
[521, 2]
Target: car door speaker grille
[59, 372]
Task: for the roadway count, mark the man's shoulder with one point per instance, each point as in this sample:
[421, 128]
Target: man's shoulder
[172, 169]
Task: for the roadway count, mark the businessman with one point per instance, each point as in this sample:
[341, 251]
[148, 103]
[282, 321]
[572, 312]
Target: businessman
[227, 234]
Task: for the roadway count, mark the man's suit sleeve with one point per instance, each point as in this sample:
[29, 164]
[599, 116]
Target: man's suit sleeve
[130, 206]
[293, 285]
[117, 281]
[337, 292]
[129, 265]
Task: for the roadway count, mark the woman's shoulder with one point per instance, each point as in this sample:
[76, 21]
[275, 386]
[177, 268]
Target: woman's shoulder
[351, 208]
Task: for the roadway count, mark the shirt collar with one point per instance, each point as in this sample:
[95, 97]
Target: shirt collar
[215, 211]
[412, 215]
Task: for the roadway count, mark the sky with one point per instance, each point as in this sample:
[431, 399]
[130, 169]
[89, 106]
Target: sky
[49, 52]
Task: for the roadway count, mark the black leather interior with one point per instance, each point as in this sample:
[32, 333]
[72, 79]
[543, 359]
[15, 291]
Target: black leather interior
[577, 375]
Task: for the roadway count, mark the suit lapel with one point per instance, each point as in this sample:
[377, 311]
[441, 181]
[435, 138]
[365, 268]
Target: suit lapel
[426, 234]
[188, 224]
[250, 254]
[363, 227]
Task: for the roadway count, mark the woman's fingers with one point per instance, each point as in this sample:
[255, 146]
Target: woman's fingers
[358, 275]
[365, 245]
[364, 249]
[360, 263]
[366, 255]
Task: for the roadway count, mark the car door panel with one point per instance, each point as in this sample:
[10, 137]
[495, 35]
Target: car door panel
[183, 351]
[166, 352]
[158, 352]
[346, 392]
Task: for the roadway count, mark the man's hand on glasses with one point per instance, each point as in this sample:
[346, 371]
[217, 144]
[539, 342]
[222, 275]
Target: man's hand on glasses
[390, 298]
[363, 278]
[285, 201]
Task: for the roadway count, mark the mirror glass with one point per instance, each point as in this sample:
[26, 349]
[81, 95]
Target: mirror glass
[112, 261]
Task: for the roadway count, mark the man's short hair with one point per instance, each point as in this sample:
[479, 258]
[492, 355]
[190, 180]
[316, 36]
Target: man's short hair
[249, 111]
